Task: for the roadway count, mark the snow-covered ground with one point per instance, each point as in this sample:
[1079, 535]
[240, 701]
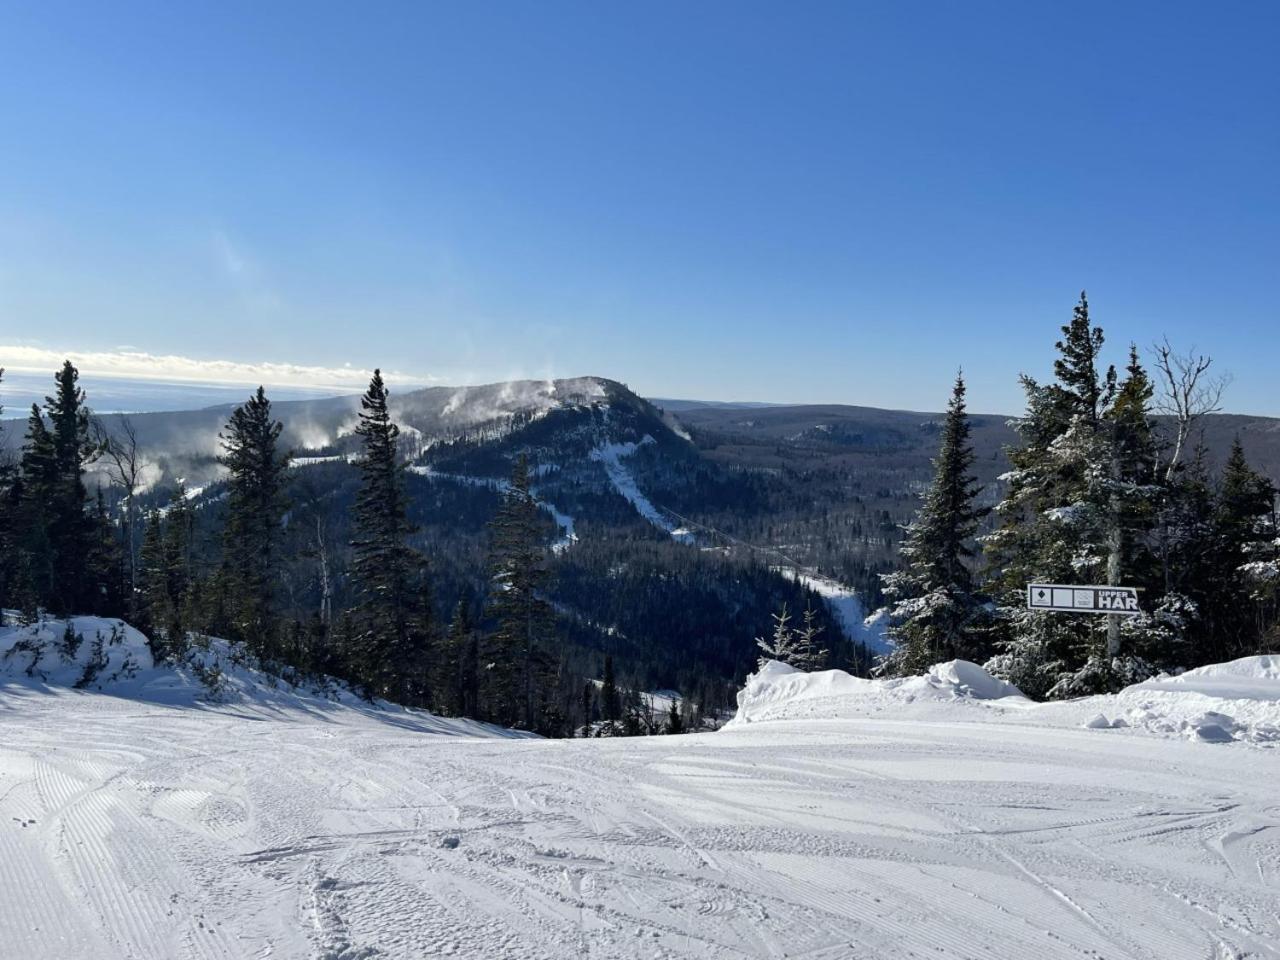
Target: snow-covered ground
[835, 819]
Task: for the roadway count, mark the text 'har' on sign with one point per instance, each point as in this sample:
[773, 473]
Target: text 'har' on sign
[1066, 598]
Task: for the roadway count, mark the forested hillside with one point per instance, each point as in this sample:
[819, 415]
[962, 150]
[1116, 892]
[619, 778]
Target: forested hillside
[386, 539]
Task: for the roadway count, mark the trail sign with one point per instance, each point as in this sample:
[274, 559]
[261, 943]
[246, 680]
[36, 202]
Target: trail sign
[1066, 598]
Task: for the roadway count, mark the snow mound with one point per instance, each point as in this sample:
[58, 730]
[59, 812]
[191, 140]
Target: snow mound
[781, 692]
[107, 656]
[84, 653]
[1218, 703]
[960, 678]
[1222, 703]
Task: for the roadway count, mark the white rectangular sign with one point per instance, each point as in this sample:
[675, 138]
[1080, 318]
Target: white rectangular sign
[1068, 598]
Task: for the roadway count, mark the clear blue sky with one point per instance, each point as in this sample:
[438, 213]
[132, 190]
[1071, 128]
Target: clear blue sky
[790, 201]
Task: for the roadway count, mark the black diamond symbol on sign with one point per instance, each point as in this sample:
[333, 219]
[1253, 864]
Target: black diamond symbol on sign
[1040, 594]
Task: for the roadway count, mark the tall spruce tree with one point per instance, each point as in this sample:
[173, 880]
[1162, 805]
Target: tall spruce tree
[524, 624]
[71, 530]
[390, 577]
[456, 686]
[1245, 562]
[33, 506]
[256, 505]
[610, 702]
[1078, 508]
[8, 523]
[937, 612]
[153, 582]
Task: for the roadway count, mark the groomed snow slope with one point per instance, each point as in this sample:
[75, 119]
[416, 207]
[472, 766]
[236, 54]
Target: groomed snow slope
[940, 826]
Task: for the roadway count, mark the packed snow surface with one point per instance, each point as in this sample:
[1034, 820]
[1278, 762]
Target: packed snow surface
[941, 817]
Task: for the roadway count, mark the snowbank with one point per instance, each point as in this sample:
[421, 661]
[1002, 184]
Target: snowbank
[1239, 700]
[781, 692]
[1221, 703]
[85, 653]
[107, 656]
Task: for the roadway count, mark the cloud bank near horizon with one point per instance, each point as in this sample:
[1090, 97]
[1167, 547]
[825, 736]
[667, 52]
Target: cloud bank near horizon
[139, 365]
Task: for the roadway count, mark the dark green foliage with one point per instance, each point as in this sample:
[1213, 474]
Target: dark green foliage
[256, 504]
[675, 722]
[1242, 568]
[457, 686]
[517, 653]
[70, 529]
[58, 549]
[610, 707]
[392, 653]
[938, 613]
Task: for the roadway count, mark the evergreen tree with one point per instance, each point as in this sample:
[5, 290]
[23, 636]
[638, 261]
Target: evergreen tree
[105, 563]
[810, 653]
[255, 510]
[781, 645]
[153, 580]
[179, 533]
[524, 623]
[1079, 508]
[588, 706]
[457, 681]
[70, 531]
[675, 722]
[610, 706]
[1245, 565]
[8, 523]
[34, 496]
[938, 613]
[389, 575]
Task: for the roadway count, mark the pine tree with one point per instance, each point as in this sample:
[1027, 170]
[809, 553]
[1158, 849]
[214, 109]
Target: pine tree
[523, 617]
[105, 563]
[610, 705]
[70, 531]
[781, 644]
[153, 582]
[36, 486]
[810, 654]
[1079, 508]
[456, 665]
[1245, 565]
[938, 613]
[256, 505]
[8, 523]
[179, 533]
[588, 706]
[675, 722]
[389, 575]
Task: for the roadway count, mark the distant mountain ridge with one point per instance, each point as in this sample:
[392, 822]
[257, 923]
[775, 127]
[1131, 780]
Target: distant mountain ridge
[434, 415]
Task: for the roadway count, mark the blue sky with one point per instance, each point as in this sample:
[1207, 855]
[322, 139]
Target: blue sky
[789, 201]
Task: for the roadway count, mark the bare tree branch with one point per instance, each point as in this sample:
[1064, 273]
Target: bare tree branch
[123, 459]
[1187, 393]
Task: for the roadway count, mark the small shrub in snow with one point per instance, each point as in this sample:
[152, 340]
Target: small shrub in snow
[70, 642]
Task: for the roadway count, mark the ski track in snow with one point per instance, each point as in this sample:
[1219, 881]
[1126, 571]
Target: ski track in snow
[609, 456]
[567, 536]
[847, 608]
[140, 830]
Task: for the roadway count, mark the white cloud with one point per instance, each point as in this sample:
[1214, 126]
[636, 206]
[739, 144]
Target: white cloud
[137, 365]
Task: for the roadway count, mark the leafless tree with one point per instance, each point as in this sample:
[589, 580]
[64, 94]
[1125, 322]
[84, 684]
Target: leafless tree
[1187, 393]
[123, 459]
[326, 580]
